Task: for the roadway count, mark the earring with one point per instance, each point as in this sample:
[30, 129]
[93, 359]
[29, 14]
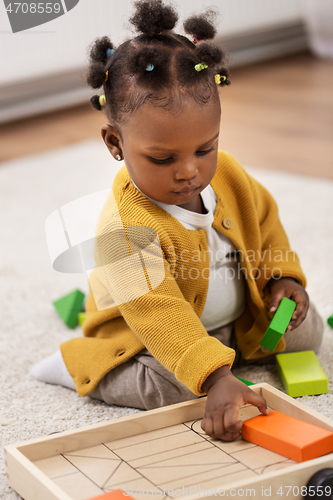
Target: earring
[118, 157]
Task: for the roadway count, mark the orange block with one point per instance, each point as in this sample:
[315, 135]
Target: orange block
[113, 495]
[288, 436]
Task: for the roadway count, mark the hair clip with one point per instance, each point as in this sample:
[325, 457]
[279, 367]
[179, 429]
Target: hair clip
[219, 79]
[196, 40]
[157, 33]
[106, 76]
[102, 100]
[109, 52]
[200, 66]
[149, 67]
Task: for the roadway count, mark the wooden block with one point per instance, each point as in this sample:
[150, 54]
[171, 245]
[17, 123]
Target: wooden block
[245, 381]
[330, 321]
[81, 318]
[69, 306]
[279, 324]
[288, 436]
[301, 373]
[113, 495]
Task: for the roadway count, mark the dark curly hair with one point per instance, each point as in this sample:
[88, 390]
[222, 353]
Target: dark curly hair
[157, 66]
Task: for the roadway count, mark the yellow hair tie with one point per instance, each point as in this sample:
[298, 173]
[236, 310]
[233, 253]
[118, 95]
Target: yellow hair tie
[200, 66]
[219, 78]
[106, 76]
[102, 100]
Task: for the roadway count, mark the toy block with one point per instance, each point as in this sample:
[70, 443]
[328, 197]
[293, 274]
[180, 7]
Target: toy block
[279, 324]
[245, 381]
[81, 318]
[288, 436]
[69, 306]
[85, 302]
[113, 495]
[301, 373]
[330, 321]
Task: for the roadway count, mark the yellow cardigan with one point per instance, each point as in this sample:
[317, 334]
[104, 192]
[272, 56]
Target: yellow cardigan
[165, 320]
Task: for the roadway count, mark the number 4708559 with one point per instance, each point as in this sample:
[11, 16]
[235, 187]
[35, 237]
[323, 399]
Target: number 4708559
[33, 8]
[311, 491]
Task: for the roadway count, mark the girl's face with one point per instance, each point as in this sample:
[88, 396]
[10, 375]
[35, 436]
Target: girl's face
[170, 157]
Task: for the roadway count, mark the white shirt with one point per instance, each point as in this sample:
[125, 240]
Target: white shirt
[226, 289]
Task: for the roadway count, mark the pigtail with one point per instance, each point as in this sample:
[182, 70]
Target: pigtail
[209, 54]
[100, 54]
[201, 27]
[221, 77]
[152, 17]
[95, 102]
[100, 50]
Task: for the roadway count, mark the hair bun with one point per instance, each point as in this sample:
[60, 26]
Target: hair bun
[223, 73]
[96, 102]
[152, 16]
[202, 27]
[209, 53]
[99, 49]
[96, 75]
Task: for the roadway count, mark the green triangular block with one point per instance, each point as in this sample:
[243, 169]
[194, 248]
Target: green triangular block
[69, 306]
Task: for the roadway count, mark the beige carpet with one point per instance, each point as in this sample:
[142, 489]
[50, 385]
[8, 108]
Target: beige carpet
[32, 188]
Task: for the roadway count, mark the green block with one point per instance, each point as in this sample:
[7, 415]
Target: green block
[245, 381]
[69, 306]
[278, 324]
[330, 321]
[81, 318]
[301, 374]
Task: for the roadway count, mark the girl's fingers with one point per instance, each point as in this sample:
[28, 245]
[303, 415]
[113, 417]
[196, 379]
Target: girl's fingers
[256, 400]
[207, 426]
[296, 323]
[275, 302]
[299, 314]
[232, 424]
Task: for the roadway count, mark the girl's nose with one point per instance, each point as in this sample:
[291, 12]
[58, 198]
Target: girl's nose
[186, 171]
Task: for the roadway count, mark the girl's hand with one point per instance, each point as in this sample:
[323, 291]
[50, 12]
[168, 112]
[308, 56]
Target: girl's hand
[288, 287]
[225, 395]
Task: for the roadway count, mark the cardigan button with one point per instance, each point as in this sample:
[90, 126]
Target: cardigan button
[227, 223]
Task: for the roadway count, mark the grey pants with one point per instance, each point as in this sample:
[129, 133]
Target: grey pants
[142, 382]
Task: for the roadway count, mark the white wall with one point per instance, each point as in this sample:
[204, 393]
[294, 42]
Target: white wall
[61, 45]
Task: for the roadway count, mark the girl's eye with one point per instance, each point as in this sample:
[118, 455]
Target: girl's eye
[155, 160]
[202, 153]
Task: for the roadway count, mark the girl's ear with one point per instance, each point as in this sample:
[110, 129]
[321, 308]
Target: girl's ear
[112, 139]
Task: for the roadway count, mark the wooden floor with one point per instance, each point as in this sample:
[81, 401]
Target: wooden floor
[275, 115]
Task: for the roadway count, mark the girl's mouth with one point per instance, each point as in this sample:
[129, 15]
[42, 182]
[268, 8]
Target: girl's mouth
[184, 193]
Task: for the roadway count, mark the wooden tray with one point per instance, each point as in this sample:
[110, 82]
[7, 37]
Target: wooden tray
[161, 453]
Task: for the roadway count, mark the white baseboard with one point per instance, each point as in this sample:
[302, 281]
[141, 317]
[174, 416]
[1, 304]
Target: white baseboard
[264, 44]
[60, 91]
